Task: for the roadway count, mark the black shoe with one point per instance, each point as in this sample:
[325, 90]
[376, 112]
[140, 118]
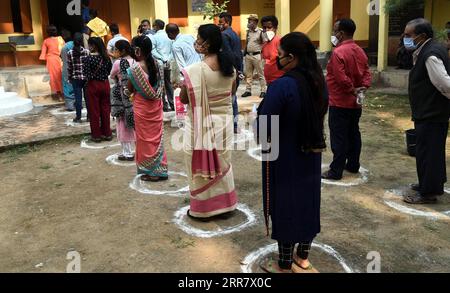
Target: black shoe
[418, 199]
[96, 140]
[122, 158]
[330, 176]
[263, 95]
[247, 94]
[76, 120]
[107, 138]
[415, 187]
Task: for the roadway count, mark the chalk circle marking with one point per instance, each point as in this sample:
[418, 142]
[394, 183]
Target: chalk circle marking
[412, 211]
[62, 112]
[363, 178]
[70, 123]
[138, 185]
[180, 221]
[114, 160]
[86, 145]
[252, 259]
[255, 153]
[243, 137]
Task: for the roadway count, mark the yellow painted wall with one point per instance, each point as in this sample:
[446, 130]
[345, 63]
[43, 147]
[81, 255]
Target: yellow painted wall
[37, 29]
[359, 14]
[441, 13]
[195, 19]
[300, 9]
[140, 10]
[260, 7]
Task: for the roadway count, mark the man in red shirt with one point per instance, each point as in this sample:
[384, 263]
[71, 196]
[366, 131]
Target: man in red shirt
[270, 49]
[348, 77]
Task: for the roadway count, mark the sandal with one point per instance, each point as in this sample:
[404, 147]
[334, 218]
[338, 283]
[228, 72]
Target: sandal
[298, 269]
[122, 158]
[418, 199]
[204, 220]
[148, 178]
[270, 266]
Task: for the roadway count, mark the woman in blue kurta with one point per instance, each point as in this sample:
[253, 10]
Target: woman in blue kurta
[69, 95]
[293, 156]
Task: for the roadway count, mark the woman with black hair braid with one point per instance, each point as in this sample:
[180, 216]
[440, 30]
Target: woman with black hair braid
[147, 86]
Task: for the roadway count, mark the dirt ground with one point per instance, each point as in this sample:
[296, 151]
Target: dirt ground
[57, 197]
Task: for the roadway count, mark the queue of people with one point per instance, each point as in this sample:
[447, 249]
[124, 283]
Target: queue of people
[294, 90]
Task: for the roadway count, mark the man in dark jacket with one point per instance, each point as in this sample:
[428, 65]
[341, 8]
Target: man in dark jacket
[429, 93]
[232, 42]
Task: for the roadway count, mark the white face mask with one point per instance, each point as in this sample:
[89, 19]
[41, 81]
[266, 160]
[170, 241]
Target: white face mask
[334, 41]
[270, 35]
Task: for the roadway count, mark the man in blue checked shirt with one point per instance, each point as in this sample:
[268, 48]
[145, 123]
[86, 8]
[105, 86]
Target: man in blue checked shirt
[162, 52]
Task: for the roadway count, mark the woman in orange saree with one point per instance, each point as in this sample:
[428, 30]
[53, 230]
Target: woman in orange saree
[148, 87]
[51, 53]
[208, 141]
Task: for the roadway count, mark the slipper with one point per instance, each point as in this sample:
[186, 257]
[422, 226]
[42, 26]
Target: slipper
[418, 199]
[204, 220]
[270, 266]
[298, 269]
[147, 178]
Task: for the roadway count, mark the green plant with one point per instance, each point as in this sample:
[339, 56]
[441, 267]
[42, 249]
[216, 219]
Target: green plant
[441, 35]
[212, 9]
[393, 6]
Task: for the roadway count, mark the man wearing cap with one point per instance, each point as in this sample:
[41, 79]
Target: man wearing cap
[253, 59]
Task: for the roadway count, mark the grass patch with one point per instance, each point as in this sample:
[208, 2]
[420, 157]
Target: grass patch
[181, 243]
[15, 154]
[45, 167]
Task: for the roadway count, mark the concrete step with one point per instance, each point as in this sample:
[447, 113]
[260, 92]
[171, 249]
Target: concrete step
[14, 105]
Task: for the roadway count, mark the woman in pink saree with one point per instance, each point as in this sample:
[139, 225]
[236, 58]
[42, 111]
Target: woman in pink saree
[208, 141]
[148, 87]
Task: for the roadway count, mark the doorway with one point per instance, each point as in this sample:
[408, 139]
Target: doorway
[57, 15]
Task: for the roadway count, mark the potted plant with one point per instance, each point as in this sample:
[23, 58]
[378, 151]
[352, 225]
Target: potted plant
[213, 9]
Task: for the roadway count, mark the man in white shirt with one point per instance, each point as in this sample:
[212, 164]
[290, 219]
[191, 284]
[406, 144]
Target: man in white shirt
[429, 93]
[162, 52]
[116, 36]
[183, 47]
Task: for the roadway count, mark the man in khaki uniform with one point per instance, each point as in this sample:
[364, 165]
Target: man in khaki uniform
[253, 58]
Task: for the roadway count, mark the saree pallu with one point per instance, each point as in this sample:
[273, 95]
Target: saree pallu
[151, 158]
[207, 146]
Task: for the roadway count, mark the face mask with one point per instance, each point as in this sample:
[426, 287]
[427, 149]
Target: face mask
[270, 35]
[279, 65]
[410, 44]
[200, 49]
[334, 41]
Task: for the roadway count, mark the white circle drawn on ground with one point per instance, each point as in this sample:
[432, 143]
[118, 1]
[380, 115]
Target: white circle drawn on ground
[70, 123]
[114, 160]
[181, 215]
[409, 210]
[85, 144]
[138, 185]
[362, 179]
[255, 153]
[243, 137]
[261, 253]
[63, 112]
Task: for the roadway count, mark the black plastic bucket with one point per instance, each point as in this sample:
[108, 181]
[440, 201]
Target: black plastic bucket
[411, 141]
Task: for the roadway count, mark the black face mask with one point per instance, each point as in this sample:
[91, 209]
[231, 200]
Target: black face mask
[281, 66]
